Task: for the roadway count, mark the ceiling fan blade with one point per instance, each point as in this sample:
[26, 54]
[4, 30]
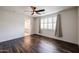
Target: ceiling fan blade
[40, 10]
[33, 7]
[32, 13]
[38, 13]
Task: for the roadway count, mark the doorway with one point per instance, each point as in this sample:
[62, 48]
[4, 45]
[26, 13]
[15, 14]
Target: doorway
[27, 26]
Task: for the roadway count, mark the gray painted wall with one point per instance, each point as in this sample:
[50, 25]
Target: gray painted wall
[69, 26]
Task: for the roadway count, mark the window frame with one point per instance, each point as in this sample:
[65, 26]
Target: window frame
[43, 23]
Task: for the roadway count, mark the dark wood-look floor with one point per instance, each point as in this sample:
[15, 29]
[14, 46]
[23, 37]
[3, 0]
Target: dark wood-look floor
[37, 44]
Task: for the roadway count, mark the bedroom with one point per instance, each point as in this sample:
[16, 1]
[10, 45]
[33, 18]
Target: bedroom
[25, 30]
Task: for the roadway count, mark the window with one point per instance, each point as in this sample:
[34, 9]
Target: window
[48, 23]
[54, 22]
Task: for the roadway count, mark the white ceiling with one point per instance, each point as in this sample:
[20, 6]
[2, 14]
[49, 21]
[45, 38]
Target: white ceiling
[26, 9]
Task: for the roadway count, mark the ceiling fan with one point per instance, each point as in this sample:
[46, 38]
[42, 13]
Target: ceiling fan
[34, 10]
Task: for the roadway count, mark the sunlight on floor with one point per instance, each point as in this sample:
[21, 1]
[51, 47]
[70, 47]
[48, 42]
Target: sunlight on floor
[46, 47]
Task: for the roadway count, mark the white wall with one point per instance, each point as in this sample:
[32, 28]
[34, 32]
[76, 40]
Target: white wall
[69, 26]
[11, 25]
[36, 25]
[33, 29]
[78, 25]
